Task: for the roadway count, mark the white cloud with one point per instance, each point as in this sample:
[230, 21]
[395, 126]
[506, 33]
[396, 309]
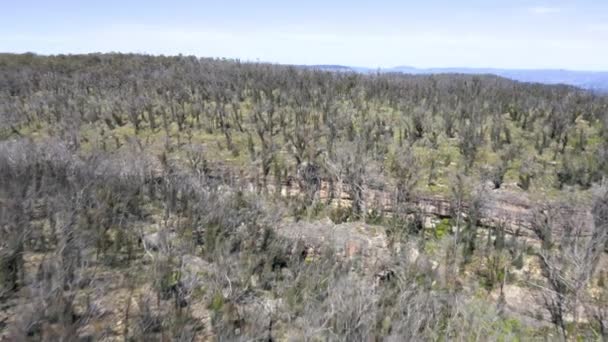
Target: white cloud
[544, 10]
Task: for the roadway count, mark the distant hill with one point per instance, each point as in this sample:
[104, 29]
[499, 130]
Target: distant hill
[592, 80]
[331, 67]
[584, 79]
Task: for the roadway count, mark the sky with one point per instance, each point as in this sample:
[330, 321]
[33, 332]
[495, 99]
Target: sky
[529, 34]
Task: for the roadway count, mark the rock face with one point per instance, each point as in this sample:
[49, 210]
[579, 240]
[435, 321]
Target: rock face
[508, 208]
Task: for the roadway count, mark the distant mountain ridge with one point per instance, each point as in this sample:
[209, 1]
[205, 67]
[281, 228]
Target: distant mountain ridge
[591, 80]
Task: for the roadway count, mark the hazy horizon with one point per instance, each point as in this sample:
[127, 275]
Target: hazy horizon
[521, 34]
[455, 67]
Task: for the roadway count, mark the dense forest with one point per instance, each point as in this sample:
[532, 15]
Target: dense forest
[178, 198]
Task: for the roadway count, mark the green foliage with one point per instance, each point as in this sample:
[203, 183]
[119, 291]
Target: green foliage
[601, 279]
[578, 170]
[340, 214]
[168, 278]
[217, 302]
[375, 216]
[495, 272]
[442, 228]
[518, 262]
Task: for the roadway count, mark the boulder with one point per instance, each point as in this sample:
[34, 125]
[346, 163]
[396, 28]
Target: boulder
[159, 240]
[193, 271]
[365, 242]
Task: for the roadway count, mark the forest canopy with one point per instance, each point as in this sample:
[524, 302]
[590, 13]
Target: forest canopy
[187, 195]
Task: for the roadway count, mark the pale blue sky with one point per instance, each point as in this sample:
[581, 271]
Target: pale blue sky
[570, 34]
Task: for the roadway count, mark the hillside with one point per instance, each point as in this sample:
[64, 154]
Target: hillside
[590, 80]
[182, 198]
